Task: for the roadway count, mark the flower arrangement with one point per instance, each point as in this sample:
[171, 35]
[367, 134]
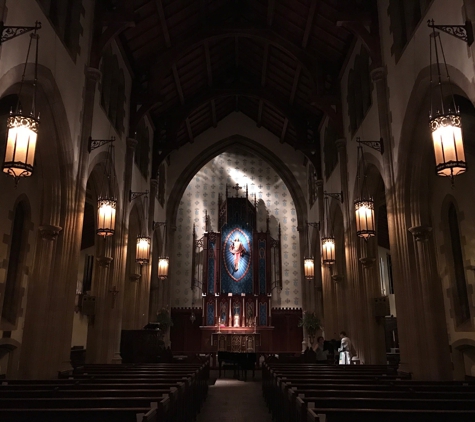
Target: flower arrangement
[310, 322]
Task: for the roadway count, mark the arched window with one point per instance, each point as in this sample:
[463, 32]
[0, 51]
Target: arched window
[65, 15]
[16, 259]
[460, 295]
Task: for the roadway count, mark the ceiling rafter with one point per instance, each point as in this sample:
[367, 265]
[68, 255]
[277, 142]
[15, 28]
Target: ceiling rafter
[177, 115]
[295, 83]
[259, 113]
[163, 62]
[188, 130]
[163, 22]
[270, 12]
[213, 113]
[208, 64]
[265, 60]
[284, 130]
[308, 25]
[179, 89]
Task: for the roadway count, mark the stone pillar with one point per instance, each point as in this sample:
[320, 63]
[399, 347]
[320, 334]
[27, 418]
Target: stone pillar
[438, 365]
[318, 282]
[35, 356]
[351, 280]
[303, 244]
[409, 316]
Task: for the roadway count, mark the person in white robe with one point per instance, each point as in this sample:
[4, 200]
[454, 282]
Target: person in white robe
[345, 349]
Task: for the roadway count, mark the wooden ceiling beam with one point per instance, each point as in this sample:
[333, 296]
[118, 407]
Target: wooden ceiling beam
[259, 113]
[284, 130]
[270, 12]
[265, 60]
[163, 22]
[208, 64]
[178, 84]
[295, 83]
[188, 129]
[163, 63]
[308, 25]
[213, 113]
[177, 115]
[236, 51]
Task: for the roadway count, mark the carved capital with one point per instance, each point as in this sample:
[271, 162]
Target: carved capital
[134, 277]
[367, 262]
[378, 74]
[153, 184]
[104, 261]
[421, 233]
[49, 232]
[93, 74]
[337, 278]
[340, 143]
[131, 143]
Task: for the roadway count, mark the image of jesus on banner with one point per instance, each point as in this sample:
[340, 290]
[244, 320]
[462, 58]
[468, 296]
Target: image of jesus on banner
[238, 250]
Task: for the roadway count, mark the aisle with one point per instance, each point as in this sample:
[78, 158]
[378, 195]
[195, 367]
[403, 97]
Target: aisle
[231, 400]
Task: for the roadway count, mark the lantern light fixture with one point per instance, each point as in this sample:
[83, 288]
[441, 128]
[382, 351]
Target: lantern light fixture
[106, 202]
[142, 253]
[308, 261]
[364, 204]
[328, 240]
[163, 260]
[22, 128]
[144, 242]
[444, 118]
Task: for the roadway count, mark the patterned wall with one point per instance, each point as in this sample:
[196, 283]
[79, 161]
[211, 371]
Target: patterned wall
[201, 195]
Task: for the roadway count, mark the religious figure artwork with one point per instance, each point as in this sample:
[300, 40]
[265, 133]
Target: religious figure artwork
[237, 254]
[238, 250]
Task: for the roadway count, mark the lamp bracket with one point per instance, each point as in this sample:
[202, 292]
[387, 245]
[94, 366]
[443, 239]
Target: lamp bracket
[157, 224]
[96, 143]
[315, 225]
[135, 195]
[338, 195]
[462, 32]
[10, 32]
[377, 145]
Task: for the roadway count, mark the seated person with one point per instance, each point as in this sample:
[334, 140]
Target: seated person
[321, 355]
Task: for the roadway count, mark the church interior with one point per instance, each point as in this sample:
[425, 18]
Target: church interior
[273, 190]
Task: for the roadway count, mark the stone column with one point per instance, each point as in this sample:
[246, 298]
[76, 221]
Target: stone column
[35, 355]
[153, 276]
[319, 281]
[411, 344]
[351, 280]
[438, 365]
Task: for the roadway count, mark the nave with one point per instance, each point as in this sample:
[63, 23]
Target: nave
[290, 390]
[232, 400]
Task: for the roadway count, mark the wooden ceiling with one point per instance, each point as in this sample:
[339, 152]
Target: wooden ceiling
[276, 61]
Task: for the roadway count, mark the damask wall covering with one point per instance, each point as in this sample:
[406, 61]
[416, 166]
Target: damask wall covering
[201, 196]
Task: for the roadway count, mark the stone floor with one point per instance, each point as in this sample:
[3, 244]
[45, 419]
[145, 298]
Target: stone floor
[231, 400]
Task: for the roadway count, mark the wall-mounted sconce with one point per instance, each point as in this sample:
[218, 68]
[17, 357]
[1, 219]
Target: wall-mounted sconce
[97, 143]
[376, 145]
[135, 195]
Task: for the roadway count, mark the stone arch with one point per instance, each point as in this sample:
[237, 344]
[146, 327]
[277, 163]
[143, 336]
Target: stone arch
[57, 181]
[252, 147]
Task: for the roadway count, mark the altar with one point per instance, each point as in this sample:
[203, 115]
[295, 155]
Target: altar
[237, 267]
[235, 342]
